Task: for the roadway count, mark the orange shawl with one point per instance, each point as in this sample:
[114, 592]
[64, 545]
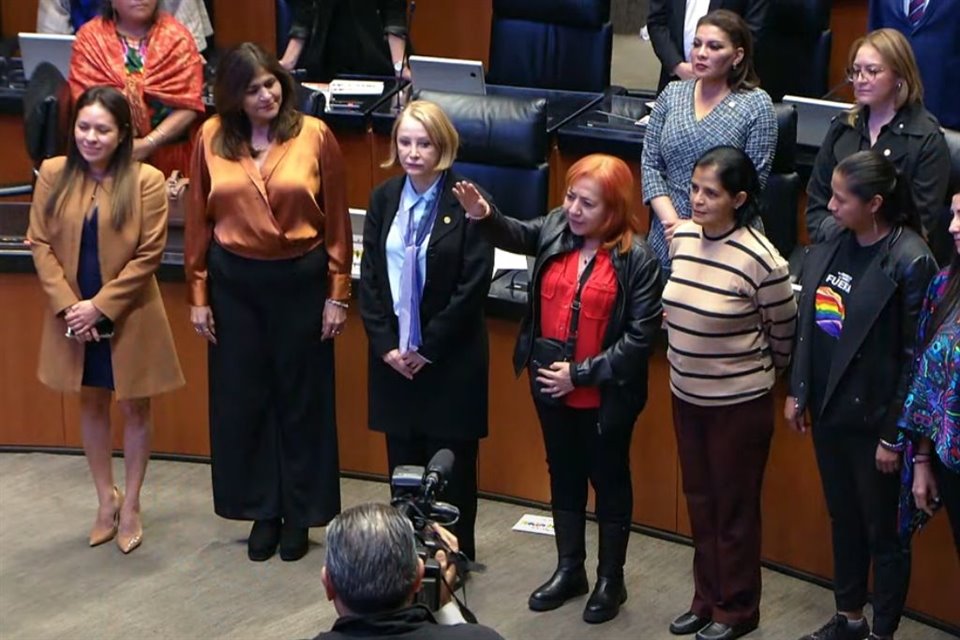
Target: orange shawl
[173, 74]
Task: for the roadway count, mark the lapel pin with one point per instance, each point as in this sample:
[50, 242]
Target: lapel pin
[446, 219]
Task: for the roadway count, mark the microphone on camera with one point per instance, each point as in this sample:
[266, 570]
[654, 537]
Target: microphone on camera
[438, 470]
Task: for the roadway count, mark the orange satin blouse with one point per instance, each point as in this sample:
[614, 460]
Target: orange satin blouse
[284, 210]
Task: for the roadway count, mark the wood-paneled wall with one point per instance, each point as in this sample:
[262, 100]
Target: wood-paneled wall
[512, 461]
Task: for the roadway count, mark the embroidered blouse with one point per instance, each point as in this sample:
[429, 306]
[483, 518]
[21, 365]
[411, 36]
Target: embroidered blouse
[932, 407]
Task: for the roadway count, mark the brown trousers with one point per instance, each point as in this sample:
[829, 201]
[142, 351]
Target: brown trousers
[723, 453]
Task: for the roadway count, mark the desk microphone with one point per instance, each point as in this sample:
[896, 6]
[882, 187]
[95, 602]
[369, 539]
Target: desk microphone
[406, 51]
[833, 90]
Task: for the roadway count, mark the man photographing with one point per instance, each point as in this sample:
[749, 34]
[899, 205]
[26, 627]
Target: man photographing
[372, 574]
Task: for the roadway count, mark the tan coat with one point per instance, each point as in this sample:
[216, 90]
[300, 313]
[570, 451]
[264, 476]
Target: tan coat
[143, 354]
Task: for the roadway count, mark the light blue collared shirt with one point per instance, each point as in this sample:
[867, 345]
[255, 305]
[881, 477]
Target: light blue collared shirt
[394, 247]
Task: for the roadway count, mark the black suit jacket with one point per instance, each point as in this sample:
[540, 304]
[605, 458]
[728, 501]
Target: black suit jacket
[665, 26]
[870, 373]
[448, 398]
[347, 36]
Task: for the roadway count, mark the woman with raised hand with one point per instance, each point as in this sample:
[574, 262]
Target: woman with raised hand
[98, 229]
[587, 368]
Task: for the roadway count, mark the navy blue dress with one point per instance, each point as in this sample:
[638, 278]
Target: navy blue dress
[97, 367]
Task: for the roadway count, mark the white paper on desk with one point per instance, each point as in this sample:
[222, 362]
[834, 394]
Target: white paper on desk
[506, 261]
[530, 523]
[357, 87]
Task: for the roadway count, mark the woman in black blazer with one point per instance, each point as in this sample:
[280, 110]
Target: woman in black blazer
[863, 289]
[424, 318]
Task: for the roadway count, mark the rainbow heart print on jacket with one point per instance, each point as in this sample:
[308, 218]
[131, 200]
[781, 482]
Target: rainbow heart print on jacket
[830, 311]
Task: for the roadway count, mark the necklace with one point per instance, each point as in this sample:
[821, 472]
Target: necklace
[585, 257]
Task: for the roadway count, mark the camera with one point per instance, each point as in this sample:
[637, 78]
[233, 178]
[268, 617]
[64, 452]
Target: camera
[415, 490]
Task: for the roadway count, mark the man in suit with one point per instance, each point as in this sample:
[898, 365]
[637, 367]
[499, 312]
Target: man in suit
[673, 23]
[932, 28]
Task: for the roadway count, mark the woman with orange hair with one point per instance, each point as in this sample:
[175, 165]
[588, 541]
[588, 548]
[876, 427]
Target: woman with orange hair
[593, 310]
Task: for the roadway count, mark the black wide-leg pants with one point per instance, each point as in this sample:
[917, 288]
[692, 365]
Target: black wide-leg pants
[273, 437]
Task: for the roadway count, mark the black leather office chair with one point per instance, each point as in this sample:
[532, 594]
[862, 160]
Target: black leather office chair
[781, 196]
[794, 54]
[552, 44]
[45, 95]
[503, 147]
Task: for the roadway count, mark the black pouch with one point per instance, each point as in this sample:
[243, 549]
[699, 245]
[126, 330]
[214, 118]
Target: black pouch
[545, 352]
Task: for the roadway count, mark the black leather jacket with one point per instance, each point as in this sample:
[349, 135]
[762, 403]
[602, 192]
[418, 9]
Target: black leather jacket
[620, 369]
[872, 362]
[913, 141]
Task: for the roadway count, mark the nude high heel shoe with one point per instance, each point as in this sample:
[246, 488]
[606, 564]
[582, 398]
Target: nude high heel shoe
[100, 534]
[130, 541]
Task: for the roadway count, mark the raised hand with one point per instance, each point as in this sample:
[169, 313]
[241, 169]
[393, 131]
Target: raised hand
[473, 203]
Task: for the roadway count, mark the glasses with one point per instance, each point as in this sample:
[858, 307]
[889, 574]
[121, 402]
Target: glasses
[870, 73]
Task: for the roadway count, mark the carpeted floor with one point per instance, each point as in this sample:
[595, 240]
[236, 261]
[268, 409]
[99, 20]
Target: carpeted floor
[191, 577]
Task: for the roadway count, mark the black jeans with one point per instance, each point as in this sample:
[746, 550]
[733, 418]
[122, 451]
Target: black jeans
[578, 452]
[461, 490]
[863, 503]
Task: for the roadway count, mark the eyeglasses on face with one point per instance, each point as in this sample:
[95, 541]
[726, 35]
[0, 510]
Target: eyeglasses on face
[870, 72]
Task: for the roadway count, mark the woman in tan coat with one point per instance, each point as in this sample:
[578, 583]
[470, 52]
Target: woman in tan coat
[98, 228]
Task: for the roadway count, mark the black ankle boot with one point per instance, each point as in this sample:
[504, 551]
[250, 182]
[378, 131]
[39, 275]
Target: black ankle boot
[264, 537]
[570, 578]
[609, 592]
[294, 541]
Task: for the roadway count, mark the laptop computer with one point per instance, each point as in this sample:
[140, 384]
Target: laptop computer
[814, 117]
[45, 47]
[447, 74]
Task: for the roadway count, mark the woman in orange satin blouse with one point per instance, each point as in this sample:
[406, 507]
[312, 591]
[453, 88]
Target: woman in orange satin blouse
[268, 250]
[153, 60]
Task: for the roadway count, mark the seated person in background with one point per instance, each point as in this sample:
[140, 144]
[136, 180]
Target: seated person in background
[672, 25]
[336, 37]
[932, 28]
[67, 16]
[149, 56]
[372, 574]
[722, 106]
[890, 117]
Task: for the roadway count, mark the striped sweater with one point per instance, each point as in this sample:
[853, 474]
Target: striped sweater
[730, 316]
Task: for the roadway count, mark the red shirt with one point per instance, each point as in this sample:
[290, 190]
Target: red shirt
[557, 290]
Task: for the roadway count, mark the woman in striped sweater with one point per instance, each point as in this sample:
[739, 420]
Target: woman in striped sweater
[730, 315]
